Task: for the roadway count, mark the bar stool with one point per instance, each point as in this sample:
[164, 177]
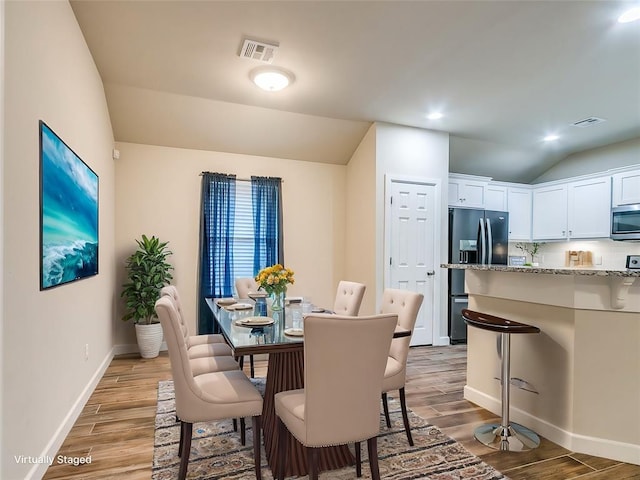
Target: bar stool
[507, 436]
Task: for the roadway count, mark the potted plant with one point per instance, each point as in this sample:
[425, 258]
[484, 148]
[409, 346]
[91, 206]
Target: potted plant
[532, 249]
[147, 272]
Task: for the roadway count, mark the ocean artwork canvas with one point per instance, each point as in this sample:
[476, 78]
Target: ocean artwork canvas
[68, 213]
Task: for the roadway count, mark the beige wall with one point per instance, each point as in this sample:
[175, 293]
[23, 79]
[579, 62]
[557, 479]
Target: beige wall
[49, 75]
[361, 220]
[596, 160]
[2, 29]
[414, 152]
[158, 193]
[609, 362]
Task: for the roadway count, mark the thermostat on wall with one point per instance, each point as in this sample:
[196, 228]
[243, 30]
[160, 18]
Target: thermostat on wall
[633, 262]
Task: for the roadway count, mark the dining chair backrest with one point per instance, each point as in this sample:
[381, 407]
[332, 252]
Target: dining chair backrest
[245, 285]
[183, 380]
[406, 305]
[348, 298]
[344, 363]
[171, 292]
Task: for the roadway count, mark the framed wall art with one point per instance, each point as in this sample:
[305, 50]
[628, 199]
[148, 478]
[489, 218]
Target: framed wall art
[68, 213]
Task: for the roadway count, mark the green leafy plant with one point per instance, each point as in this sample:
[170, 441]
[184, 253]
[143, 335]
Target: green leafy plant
[147, 272]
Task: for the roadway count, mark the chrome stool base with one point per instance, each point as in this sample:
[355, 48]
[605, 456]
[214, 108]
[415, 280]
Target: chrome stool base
[517, 438]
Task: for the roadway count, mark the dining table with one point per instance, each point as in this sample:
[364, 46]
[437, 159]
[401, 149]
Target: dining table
[250, 329]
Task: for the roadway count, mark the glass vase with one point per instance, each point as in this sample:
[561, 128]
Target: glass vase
[277, 300]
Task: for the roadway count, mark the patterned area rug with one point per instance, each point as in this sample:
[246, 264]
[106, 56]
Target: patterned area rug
[216, 452]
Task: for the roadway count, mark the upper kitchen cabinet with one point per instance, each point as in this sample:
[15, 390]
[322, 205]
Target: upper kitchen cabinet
[578, 209]
[519, 201]
[550, 212]
[626, 188]
[467, 191]
[589, 211]
[495, 198]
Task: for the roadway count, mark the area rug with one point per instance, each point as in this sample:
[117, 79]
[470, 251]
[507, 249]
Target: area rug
[216, 453]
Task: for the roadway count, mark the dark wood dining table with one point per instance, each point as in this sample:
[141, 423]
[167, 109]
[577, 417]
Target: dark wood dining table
[285, 371]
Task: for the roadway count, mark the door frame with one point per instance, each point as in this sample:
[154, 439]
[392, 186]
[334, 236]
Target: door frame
[438, 338]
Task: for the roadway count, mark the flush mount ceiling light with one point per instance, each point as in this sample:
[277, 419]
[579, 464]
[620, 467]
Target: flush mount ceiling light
[551, 138]
[435, 116]
[630, 15]
[271, 79]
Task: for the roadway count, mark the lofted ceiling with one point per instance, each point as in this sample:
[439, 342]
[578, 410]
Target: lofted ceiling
[504, 74]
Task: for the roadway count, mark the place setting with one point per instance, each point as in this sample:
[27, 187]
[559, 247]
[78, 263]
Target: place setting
[294, 332]
[254, 322]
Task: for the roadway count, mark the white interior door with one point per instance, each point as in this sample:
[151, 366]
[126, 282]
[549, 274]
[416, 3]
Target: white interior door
[412, 249]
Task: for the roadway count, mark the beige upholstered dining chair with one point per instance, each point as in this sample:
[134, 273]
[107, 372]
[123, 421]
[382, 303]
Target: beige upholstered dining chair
[406, 305]
[245, 285]
[198, 346]
[344, 361]
[348, 298]
[207, 397]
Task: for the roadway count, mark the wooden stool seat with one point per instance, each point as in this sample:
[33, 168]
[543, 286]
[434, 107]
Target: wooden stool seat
[507, 436]
[496, 324]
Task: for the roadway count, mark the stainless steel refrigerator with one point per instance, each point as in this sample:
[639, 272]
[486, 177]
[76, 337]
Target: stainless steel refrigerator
[475, 236]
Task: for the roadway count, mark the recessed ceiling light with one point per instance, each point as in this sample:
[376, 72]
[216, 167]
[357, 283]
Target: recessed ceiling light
[630, 15]
[435, 116]
[551, 138]
[271, 79]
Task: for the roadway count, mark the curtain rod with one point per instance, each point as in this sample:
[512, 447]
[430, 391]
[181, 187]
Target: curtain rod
[245, 179]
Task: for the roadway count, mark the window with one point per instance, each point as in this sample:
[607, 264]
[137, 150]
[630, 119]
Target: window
[243, 233]
[240, 233]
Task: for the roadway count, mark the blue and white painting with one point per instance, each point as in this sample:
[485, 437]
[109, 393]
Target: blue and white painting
[69, 213]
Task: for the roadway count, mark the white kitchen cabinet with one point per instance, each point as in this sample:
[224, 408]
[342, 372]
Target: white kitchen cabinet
[519, 201]
[550, 212]
[466, 193]
[572, 210]
[626, 188]
[495, 198]
[589, 211]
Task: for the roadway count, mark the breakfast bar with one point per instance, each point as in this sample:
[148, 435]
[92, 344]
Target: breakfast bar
[580, 377]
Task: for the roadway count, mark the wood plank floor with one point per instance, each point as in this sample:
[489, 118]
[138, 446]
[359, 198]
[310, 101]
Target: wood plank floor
[116, 426]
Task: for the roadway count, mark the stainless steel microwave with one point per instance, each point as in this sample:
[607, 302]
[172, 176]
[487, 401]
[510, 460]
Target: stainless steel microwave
[625, 222]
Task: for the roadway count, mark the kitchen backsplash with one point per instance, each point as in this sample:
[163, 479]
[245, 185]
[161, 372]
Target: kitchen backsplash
[607, 254]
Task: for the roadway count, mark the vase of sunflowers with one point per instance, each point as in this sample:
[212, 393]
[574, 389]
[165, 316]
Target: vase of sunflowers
[274, 281]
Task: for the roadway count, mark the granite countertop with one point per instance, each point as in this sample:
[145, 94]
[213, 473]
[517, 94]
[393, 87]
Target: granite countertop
[599, 272]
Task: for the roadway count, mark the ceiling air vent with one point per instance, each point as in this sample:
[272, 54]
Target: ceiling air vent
[254, 50]
[587, 122]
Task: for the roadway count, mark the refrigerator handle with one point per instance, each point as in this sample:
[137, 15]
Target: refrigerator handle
[482, 248]
[489, 243]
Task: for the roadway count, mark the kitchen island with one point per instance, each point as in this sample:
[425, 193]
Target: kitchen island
[585, 363]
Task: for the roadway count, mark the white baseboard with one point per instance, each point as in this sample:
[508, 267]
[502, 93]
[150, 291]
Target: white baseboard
[50, 451]
[441, 342]
[127, 348]
[600, 447]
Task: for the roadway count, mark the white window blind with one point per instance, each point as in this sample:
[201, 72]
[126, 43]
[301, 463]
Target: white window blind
[243, 234]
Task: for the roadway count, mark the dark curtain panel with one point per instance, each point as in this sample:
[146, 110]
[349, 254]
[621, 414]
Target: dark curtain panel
[218, 199]
[266, 193]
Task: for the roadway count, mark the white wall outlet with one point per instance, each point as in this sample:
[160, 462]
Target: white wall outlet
[86, 351]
